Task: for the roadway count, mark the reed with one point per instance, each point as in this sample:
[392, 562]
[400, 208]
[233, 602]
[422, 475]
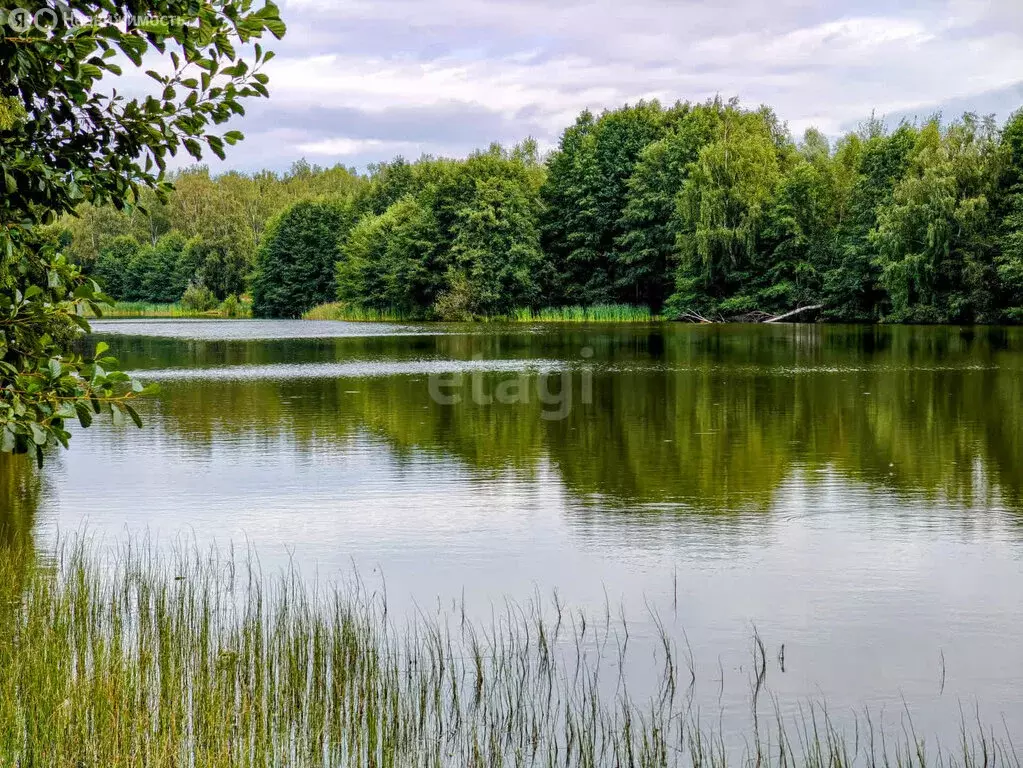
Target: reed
[130, 309]
[599, 313]
[196, 659]
[341, 311]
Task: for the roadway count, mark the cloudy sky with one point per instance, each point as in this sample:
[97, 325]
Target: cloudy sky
[356, 81]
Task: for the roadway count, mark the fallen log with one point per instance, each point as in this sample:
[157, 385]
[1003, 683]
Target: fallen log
[794, 312]
[694, 317]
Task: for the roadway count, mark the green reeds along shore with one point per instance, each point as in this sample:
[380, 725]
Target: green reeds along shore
[132, 309]
[140, 659]
[601, 313]
[340, 311]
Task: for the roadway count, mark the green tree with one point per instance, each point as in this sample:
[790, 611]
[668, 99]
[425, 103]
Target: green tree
[394, 262]
[585, 196]
[648, 243]
[201, 208]
[936, 238]
[295, 267]
[413, 259]
[162, 282]
[360, 272]
[113, 268]
[215, 264]
[878, 161]
[496, 255]
[721, 210]
[455, 244]
[1009, 210]
[801, 230]
[91, 228]
[390, 183]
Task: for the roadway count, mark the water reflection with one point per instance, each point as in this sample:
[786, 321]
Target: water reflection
[854, 492]
[709, 420]
[20, 489]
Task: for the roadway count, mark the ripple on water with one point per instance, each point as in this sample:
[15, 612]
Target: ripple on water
[258, 330]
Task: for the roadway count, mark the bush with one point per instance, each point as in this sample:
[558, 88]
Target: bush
[456, 304]
[232, 307]
[199, 298]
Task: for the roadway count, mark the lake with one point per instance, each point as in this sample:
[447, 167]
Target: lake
[854, 494]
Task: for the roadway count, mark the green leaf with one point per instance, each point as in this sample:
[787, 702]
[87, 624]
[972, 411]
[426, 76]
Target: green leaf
[276, 27]
[7, 439]
[84, 415]
[39, 435]
[193, 147]
[134, 415]
[217, 145]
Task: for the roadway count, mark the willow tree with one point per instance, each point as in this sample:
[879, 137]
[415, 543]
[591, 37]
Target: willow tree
[936, 239]
[721, 209]
[802, 227]
[67, 138]
[1010, 211]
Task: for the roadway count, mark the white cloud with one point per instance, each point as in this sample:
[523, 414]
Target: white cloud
[341, 146]
[538, 63]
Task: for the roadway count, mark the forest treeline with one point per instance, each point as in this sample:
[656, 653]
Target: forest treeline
[701, 210]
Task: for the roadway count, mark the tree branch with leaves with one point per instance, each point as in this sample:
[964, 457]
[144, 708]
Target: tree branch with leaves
[68, 137]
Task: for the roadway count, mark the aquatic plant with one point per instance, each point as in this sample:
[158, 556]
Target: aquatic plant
[198, 659]
[599, 313]
[232, 307]
[341, 311]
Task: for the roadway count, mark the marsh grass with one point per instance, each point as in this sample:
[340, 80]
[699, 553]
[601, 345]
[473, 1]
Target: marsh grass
[600, 313]
[199, 660]
[130, 309]
[341, 311]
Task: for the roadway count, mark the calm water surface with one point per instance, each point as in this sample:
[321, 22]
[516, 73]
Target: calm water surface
[855, 494]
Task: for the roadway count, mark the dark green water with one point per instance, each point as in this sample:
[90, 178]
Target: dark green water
[854, 493]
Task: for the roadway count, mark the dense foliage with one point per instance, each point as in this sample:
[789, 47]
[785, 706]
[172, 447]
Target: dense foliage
[69, 142]
[693, 211]
[296, 262]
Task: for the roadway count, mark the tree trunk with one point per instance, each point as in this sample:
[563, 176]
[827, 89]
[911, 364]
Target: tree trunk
[779, 318]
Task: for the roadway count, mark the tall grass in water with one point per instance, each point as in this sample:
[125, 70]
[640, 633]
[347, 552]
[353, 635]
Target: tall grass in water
[190, 661]
[132, 309]
[340, 311]
[599, 313]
